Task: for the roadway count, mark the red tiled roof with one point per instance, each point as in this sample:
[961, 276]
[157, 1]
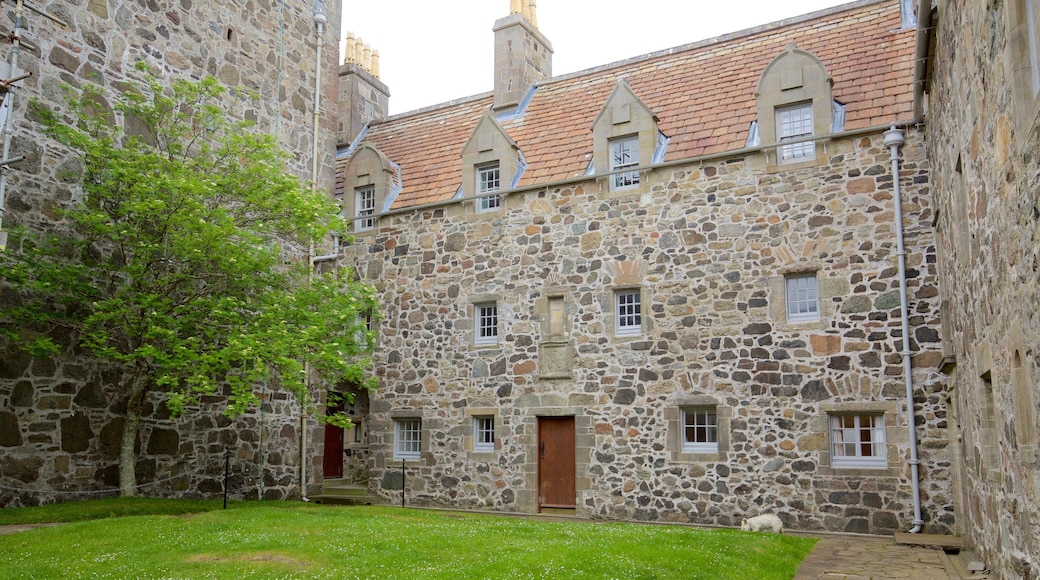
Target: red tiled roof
[703, 96]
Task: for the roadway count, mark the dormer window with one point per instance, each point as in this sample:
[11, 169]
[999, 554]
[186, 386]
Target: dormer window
[365, 207]
[624, 152]
[795, 122]
[488, 180]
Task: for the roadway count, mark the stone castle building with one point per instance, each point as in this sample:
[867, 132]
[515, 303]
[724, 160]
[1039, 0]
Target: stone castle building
[791, 269]
[979, 95]
[59, 437]
[666, 289]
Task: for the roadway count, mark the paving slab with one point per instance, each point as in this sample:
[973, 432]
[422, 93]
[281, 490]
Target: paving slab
[873, 558]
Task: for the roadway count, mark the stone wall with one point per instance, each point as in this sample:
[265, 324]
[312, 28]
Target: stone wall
[58, 418]
[982, 142]
[707, 244]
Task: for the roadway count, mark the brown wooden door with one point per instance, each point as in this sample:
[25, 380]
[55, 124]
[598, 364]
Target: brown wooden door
[556, 462]
[332, 463]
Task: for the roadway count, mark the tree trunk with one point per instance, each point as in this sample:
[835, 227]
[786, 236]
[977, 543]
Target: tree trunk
[131, 427]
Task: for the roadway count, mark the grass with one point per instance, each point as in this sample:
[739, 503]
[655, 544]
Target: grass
[291, 540]
[98, 509]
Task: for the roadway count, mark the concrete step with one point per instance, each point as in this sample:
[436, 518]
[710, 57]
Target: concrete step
[357, 490]
[936, 540]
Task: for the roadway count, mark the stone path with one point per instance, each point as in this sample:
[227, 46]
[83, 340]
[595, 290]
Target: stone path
[4, 530]
[873, 558]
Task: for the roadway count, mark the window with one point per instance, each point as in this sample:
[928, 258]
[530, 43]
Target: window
[365, 205]
[487, 323]
[407, 439]
[488, 180]
[795, 122]
[624, 153]
[858, 441]
[484, 433]
[700, 430]
[629, 317]
[803, 298]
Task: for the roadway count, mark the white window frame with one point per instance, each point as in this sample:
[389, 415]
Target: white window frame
[408, 439]
[484, 433]
[624, 152]
[489, 178]
[853, 434]
[365, 208]
[628, 312]
[802, 297]
[702, 423]
[795, 122]
[485, 323]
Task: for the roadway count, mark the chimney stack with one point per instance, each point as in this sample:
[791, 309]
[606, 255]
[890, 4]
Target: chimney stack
[363, 98]
[523, 56]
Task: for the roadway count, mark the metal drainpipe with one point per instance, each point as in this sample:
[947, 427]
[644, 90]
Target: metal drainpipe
[894, 140]
[320, 19]
[9, 123]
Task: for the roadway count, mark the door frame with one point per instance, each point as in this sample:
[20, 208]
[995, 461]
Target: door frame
[541, 421]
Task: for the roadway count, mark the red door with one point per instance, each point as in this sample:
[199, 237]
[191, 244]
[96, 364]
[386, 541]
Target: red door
[556, 470]
[332, 464]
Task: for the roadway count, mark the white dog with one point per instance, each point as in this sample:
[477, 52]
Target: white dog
[763, 523]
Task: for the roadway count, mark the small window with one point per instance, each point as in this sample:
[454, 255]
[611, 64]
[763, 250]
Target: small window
[407, 439]
[793, 123]
[700, 430]
[488, 180]
[365, 208]
[629, 313]
[858, 441]
[483, 433]
[487, 323]
[624, 153]
[803, 298]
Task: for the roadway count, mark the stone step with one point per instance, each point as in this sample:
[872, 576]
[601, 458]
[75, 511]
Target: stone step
[345, 491]
[343, 499]
[937, 540]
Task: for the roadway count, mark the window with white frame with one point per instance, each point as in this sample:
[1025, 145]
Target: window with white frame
[488, 180]
[795, 122]
[407, 439]
[700, 430]
[803, 298]
[628, 316]
[624, 152]
[486, 323]
[858, 441]
[484, 433]
[365, 208]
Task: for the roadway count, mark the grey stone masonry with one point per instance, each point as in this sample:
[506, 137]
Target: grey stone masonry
[59, 418]
[706, 247]
[982, 120]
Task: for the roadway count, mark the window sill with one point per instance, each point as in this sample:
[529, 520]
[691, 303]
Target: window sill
[775, 167]
[484, 456]
[858, 471]
[698, 457]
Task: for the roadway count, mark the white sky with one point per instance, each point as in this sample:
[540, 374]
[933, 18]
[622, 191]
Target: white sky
[433, 51]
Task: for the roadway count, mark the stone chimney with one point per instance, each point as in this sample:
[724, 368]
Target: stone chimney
[362, 97]
[523, 56]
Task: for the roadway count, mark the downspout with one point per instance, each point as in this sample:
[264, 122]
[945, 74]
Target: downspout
[924, 32]
[894, 140]
[319, 22]
[9, 122]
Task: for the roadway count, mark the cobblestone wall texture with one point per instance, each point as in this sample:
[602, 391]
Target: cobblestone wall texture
[708, 243]
[983, 140]
[57, 433]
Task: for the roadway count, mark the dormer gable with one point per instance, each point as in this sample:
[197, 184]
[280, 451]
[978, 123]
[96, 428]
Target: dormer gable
[370, 183]
[794, 101]
[489, 147]
[624, 134]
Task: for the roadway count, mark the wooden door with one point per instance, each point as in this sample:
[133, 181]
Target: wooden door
[556, 469]
[332, 463]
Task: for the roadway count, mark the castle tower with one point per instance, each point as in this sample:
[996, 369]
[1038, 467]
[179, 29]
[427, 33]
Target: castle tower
[523, 56]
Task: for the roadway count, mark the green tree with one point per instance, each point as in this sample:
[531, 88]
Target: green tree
[184, 261]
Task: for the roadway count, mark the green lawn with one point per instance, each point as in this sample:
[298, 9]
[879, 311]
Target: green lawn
[292, 540]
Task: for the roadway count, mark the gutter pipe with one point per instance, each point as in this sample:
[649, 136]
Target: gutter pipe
[924, 29]
[320, 19]
[894, 140]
